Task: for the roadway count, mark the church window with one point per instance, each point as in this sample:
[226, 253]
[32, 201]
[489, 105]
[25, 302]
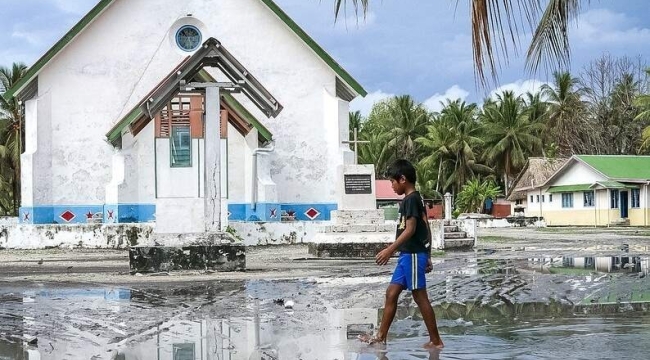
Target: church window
[181, 146]
[188, 38]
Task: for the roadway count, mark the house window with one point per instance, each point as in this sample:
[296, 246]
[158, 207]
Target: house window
[181, 146]
[567, 200]
[636, 198]
[543, 198]
[538, 198]
[519, 202]
[588, 197]
[531, 199]
[550, 197]
[614, 199]
[184, 351]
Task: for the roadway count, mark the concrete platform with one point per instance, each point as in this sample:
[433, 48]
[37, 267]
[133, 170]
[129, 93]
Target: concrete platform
[347, 250]
[223, 258]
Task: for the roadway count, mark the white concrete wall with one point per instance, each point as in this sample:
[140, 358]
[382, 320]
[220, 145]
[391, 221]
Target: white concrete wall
[578, 173]
[178, 182]
[120, 57]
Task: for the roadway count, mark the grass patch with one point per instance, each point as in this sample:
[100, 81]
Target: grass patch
[494, 239]
[439, 253]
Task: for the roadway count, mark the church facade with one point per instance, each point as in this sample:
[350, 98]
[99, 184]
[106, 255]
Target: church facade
[104, 142]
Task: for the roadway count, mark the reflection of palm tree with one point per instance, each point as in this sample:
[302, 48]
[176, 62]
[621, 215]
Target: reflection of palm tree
[496, 25]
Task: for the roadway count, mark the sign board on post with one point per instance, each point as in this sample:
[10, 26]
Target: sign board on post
[357, 187]
[358, 184]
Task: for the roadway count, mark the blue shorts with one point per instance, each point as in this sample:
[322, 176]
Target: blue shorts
[410, 271]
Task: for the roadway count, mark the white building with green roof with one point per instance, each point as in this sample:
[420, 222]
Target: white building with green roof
[594, 190]
[116, 124]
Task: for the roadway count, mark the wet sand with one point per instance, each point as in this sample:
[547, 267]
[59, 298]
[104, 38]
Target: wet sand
[523, 294]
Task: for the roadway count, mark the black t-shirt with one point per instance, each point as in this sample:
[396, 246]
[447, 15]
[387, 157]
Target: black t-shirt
[413, 206]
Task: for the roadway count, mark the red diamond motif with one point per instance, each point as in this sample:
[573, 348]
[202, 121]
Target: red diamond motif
[312, 213]
[67, 216]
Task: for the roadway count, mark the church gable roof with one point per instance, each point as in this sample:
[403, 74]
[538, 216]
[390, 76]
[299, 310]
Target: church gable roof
[211, 54]
[35, 69]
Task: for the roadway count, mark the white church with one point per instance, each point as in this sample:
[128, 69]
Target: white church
[169, 112]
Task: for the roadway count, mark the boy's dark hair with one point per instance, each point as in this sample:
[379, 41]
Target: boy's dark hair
[402, 168]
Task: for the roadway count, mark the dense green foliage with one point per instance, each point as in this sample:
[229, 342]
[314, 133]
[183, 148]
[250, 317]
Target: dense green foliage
[492, 141]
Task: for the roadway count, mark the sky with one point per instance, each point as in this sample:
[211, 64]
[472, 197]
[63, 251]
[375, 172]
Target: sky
[420, 48]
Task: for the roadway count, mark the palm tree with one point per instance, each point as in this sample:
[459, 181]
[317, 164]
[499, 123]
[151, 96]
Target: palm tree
[643, 102]
[473, 195]
[436, 146]
[567, 121]
[11, 134]
[461, 119]
[404, 121]
[496, 25]
[510, 137]
[376, 151]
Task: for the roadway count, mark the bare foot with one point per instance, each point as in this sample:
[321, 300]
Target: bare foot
[431, 345]
[370, 339]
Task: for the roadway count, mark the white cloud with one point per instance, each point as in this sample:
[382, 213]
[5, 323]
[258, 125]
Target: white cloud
[604, 27]
[437, 101]
[519, 87]
[33, 38]
[365, 104]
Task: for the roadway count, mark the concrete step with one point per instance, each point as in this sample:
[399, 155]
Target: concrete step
[354, 217]
[459, 244]
[451, 228]
[357, 229]
[456, 235]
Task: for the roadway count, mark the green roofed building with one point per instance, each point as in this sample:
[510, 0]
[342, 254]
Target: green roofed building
[590, 190]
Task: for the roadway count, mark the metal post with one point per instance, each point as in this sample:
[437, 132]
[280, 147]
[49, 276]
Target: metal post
[212, 165]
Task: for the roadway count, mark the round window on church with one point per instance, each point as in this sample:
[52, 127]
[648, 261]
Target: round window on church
[188, 38]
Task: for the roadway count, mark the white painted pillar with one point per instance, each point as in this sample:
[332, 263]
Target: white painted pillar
[27, 158]
[212, 160]
[447, 206]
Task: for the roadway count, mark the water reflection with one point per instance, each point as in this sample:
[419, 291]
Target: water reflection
[588, 265]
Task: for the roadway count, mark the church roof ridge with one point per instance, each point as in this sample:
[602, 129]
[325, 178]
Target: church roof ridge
[35, 69]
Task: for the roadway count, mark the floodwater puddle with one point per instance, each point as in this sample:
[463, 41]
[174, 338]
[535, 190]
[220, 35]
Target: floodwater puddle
[529, 308]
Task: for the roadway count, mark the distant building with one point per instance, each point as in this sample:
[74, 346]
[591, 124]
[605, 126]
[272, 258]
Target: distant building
[587, 190]
[536, 172]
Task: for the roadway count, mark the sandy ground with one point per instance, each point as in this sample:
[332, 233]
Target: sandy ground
[294, 262]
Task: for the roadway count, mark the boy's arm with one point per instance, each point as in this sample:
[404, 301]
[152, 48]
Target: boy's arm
[384, 255]
[426, 224]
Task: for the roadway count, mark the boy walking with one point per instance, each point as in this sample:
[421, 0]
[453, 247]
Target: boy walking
[413, 241]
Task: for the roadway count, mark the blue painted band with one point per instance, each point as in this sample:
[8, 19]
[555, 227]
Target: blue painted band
[84, 214]
[141, 213]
